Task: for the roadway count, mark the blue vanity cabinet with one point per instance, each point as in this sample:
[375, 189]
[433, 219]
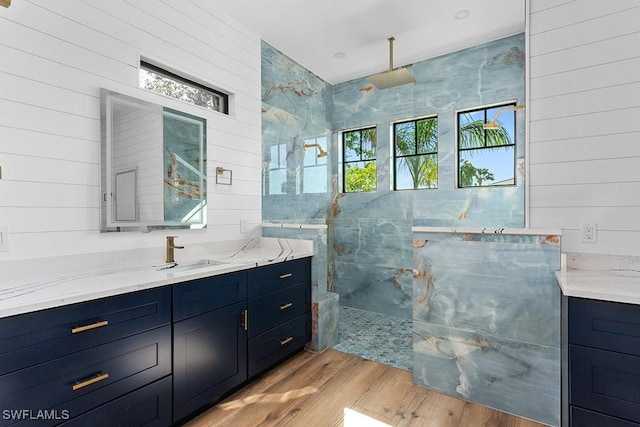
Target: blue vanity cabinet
[604, 363]
[61, 363]
[209, 340]
[279, 320]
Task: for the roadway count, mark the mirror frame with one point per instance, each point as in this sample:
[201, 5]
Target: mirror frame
[108, 205]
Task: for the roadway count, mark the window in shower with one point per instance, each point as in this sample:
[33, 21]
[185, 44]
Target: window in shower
[487, 156]
[415, 154]
[359, 160]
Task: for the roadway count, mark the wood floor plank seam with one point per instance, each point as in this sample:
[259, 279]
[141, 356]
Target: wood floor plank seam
[330, 388]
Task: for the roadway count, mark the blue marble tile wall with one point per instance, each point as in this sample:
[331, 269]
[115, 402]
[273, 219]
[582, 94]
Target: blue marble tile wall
[297, 184]
[486, 320]
[295, 109]
[372, 231]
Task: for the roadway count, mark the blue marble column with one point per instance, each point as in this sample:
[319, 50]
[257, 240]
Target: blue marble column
[486, 318]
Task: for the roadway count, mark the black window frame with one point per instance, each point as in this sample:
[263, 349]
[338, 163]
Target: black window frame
[415, 153]
[187, 81]
[345, 162]
[486, 119]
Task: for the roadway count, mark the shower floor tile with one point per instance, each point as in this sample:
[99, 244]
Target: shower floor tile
[375, 336]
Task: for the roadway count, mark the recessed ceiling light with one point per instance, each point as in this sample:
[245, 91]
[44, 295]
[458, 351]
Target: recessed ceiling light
[462, 14]
[339, 55]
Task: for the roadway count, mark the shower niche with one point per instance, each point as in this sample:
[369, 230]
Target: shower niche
[154, 172]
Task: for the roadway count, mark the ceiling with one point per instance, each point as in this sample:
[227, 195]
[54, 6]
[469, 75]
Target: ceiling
[315, 33]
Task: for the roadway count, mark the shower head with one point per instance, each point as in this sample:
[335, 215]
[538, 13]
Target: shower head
[391, 77]
[494, 124]
[321, 152]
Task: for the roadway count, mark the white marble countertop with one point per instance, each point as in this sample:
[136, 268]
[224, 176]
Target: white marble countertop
[25, 295]
[619, 284]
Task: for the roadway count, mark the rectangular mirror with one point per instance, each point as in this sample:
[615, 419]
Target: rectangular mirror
[154, 172]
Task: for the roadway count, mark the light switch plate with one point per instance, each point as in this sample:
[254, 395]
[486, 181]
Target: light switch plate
[4, 239]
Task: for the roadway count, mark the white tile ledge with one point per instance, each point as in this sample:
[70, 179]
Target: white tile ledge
[618, 285]
[488, 230]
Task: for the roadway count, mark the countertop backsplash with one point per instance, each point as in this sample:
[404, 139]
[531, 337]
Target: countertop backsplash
[584, 261]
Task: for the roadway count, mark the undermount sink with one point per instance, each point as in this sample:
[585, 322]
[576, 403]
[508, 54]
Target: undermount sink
[194, 265]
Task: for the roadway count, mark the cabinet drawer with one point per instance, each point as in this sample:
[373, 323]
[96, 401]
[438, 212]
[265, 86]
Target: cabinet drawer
[269, 348]
[209, 358]
[583, 418]
[605, 381]
[278, 307]
[604, 324]
[32, 338]
[274, 277]
[81, 381]
[149, 406]
[202, 295]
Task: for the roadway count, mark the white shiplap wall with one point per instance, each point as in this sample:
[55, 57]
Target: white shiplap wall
[584, 110]
[54, 57]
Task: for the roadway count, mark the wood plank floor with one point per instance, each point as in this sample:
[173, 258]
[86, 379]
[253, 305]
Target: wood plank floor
[338, 389]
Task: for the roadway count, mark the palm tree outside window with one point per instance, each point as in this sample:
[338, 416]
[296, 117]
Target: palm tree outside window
[486, 157]
[416, 154]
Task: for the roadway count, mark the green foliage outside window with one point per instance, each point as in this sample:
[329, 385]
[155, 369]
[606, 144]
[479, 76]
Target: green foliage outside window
[359, 149]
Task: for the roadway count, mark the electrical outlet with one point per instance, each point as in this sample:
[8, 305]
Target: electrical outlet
[589, 233]
[4, 239]
[244, 226]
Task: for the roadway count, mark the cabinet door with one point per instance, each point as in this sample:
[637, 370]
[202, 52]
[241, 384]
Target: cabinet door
[605, 381]
[209, 358]
[583, 418]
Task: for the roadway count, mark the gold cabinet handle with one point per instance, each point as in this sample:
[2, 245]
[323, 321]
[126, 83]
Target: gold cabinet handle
[246, 319]
[88, 327]
[284, 276]
[285, 306]
[99, 377]
[286, 341]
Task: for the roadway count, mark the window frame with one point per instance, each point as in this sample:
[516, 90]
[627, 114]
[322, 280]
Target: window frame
[153, 68]
[513, 143]
[345, 162]
[395, 156]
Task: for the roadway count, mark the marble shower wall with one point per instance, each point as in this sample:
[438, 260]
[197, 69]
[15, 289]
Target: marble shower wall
[296, 108]
[372, 231]
[489, 332]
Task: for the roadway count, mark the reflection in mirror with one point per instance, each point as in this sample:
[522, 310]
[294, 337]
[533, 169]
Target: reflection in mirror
[153, 166]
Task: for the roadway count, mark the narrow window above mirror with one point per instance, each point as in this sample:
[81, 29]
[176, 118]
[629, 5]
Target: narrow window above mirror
[168, 83]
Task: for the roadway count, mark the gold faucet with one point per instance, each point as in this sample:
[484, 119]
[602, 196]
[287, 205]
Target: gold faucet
[170, 248]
